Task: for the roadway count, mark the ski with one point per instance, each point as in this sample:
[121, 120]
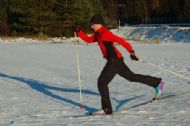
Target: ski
[104, 115]
[123, 111]
[152, 100]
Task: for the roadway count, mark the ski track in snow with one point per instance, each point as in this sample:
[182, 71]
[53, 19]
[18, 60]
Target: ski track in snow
[38, 86]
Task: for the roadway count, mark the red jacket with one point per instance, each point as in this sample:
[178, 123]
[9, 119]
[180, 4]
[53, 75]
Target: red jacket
[106, 41]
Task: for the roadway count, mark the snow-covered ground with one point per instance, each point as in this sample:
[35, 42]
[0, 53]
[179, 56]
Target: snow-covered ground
[39, 81]
[155, 33]
[38, 85]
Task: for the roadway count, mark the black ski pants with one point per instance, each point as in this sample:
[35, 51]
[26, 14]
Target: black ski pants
[117, 66]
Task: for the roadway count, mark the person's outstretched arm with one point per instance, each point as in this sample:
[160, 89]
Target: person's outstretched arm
[126, 45]
[83, 36]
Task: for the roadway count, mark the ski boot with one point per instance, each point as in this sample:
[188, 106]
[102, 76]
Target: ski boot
[159, 90]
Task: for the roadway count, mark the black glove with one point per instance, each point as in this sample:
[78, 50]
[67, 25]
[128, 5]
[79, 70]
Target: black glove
[133, 55]
[76, 28]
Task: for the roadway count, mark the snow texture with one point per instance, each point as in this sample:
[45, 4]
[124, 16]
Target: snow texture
[39, 85]
[164, 33]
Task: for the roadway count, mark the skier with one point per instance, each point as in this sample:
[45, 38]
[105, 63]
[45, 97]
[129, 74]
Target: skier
[115, 64]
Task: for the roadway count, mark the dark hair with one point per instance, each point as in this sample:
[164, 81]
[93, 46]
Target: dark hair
[97, 19]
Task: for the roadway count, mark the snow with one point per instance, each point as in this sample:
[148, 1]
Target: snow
[164, 33]
[38, 85]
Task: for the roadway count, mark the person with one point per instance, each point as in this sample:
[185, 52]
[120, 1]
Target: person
[115, 63]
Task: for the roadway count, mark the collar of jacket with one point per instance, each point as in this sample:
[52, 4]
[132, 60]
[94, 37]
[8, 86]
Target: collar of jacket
[101, 30]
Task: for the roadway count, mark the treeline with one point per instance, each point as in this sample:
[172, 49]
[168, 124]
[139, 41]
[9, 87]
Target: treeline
[50, 17]
[154, 11]
[58, 17]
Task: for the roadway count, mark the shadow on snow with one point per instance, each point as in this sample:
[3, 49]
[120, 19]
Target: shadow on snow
[44, 88]
[124, 101]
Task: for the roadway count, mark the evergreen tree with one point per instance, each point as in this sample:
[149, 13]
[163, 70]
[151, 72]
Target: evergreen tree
[4, 26]
[30, 17]
[3, 8]
[186, 10]
[57, 17]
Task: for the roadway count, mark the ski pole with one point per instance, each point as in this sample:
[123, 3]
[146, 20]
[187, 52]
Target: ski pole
[164, 69]
[78, 70]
